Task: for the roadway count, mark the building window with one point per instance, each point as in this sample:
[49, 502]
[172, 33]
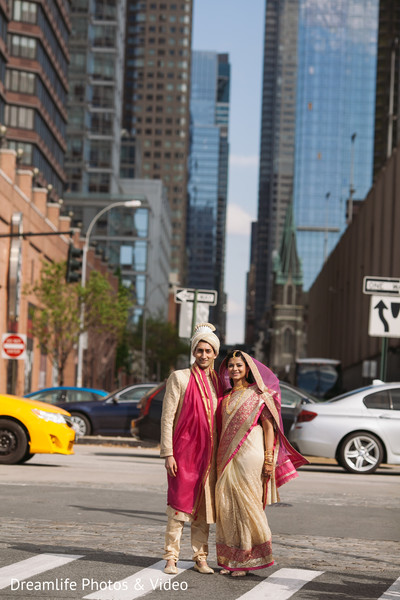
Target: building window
[288, 341]
[289, 294]
[20, 81]
[26, 158]
[20, 45]
[19, 116]
[99, 182]
[25, 11]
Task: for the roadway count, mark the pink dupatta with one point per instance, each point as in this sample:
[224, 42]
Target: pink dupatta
[193, 442]
[286, 459]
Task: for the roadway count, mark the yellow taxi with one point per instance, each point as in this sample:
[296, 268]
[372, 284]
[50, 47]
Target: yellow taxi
[29, 427]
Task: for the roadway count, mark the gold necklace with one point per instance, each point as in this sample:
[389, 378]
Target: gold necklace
[229, 412]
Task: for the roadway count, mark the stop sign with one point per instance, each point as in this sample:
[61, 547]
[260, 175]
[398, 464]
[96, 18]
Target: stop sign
[13, 345]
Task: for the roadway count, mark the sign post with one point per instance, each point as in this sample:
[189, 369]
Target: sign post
[384, 311]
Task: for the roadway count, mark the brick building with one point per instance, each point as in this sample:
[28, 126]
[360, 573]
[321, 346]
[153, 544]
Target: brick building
[25, 209]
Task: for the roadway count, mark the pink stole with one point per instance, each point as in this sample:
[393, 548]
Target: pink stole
[193, 442]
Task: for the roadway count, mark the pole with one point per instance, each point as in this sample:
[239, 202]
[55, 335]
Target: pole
[194, 314]
[391, 99]
[82, 317]
[383, 369]
[351, 190]
[144, 341]
[193, 322]
[327, 195]
[128, 204]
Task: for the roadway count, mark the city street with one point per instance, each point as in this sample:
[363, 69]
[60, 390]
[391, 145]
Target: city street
[91, 526]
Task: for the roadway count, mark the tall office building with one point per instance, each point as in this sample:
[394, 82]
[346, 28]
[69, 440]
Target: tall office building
[323, 144]
[277, 143]
[156, 105]
[387, 110]
[33, 90]
[95, 97]
[208, 176]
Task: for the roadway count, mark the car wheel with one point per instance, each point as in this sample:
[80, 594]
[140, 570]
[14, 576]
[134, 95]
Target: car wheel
[27, 456]
[13, 442]
[360, 452]
[80, 424]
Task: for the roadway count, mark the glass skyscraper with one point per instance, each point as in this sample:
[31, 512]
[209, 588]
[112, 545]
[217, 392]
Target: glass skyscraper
[317, 132]
[337, 47]
[208, 174]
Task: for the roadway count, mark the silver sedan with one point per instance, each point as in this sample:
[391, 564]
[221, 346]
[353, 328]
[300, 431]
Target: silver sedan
[360, 429]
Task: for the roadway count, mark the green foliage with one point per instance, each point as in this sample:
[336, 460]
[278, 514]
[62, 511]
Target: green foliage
[56, 319]
[163, 347]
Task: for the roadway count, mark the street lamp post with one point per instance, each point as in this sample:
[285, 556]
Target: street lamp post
[128, 204]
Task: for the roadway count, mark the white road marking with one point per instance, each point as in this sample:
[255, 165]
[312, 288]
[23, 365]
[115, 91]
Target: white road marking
[140, 584]
[281, 585]
[25, 569]
[393, 592]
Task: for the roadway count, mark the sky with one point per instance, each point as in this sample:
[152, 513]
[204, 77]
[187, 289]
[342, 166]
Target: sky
[237, 28]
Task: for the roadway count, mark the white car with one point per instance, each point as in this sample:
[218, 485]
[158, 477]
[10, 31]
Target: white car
[360, 429]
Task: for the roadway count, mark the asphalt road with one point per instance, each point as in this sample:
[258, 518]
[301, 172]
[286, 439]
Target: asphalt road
[98, 518]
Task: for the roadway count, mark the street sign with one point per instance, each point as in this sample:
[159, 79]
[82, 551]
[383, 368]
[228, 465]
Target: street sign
[384, 317]
[186, 317]
[13, 345]
[385, 286]
[203, 296]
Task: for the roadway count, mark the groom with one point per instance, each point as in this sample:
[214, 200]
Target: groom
[188, 444]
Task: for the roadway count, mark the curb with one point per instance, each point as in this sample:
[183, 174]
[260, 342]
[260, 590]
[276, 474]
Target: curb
[103, 440]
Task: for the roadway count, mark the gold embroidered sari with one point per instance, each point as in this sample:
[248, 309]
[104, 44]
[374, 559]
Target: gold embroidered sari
[243, 535]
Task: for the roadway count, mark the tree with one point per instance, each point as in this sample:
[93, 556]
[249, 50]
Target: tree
[56, 319]
[163, 347]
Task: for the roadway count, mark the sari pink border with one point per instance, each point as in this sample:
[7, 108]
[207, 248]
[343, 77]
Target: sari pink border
[245, 568]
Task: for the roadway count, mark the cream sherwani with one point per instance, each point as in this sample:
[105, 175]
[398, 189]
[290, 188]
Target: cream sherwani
[176, 388]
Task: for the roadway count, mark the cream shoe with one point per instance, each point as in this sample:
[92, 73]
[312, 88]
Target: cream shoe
[204, 569]
[171, 569]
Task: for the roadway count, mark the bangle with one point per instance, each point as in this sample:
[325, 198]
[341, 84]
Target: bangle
[267, 462]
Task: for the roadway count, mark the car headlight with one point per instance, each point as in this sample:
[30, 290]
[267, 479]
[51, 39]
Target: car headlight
[49, 416]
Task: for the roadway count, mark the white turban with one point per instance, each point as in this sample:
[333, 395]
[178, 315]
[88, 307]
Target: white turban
[204, 332]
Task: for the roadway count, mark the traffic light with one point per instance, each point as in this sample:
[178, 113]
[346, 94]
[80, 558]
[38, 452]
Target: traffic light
[74, 264]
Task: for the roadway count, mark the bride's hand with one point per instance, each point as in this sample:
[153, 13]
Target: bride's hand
[267, 470]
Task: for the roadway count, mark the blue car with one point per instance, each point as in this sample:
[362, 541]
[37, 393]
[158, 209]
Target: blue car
[64, 393]
[110, 415]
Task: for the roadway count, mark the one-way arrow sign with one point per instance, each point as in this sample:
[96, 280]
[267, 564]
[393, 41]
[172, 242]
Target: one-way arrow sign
[203, 296]
[384, 317]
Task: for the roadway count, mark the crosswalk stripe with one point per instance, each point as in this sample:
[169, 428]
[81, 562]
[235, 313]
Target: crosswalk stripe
[392, 592]
[141, 583]
[281, 585]
[25, 569]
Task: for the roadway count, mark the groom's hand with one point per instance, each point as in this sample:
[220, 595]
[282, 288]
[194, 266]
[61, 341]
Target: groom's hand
[171, 466]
